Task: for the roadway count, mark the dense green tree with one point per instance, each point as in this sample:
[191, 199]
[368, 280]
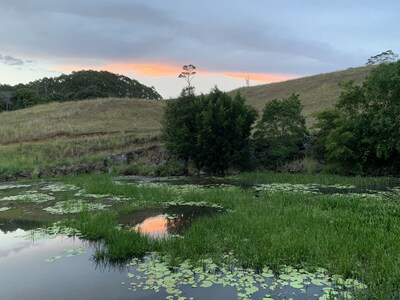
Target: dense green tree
[364, 134]
[179, 127]
[5, 99]
[77, 86]
[24, 97]
[281, 132]
[224, 129]
[213, 131]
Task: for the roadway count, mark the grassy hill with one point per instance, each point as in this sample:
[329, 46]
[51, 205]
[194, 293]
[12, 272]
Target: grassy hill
[316, 92]
[81, 132]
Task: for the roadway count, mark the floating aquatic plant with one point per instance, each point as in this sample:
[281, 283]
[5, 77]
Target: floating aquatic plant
[13, 186]
[319, 189]
[67, 253]
[201, 203]
[74, 206]
[155, 274]
[59, 187]
[52, 231]
[30, 196]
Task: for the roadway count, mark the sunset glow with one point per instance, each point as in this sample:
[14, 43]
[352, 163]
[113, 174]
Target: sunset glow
[265, 78]
[140, 69]
[155, 70]
[154, 226]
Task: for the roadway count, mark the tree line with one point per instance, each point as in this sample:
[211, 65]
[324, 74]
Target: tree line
[360, 135]
[76, 86]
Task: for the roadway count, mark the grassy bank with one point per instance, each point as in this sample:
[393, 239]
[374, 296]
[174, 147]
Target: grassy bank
[82, 132]
[356, 237]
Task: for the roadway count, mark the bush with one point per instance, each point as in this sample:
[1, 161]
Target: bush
[281, 133]
[361, 135]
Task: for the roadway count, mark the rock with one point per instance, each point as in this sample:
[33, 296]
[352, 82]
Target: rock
[120, 158]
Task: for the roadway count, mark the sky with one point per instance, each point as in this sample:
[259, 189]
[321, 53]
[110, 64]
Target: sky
[228, 41]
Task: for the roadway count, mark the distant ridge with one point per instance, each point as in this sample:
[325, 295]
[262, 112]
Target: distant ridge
[317, 92]
[78, 85]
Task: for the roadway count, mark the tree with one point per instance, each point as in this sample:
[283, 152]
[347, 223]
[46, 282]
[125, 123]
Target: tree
[386, 56]
[281, 132]
[179, 127]
[188, 73]
[364, 135]
[224, 128]
[5, 100]
[24, 97]
[212, 131]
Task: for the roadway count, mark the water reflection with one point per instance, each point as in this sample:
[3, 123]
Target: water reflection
[10, 225]
[161, 222]
[26, 274]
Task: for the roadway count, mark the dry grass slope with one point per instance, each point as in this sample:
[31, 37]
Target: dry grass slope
[88, 117]
[80, 132]
[316, 92]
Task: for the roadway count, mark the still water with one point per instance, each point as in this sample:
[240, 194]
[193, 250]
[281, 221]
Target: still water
[26, 273]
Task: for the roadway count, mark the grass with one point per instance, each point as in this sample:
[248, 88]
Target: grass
[70, 133]
[61, 152]
[354, 237]
[81, 118]
[316, 92]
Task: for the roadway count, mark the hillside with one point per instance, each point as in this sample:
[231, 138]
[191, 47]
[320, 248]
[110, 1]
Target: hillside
[75, 86]
[75, 133]
[86, 131]
[316, 92]
[86, 117]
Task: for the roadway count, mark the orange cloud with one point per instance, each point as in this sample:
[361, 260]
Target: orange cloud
[262, 77]
[168, 70]
[144, 70]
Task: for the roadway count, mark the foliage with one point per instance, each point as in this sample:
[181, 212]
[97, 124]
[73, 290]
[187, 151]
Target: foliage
[5, 97]
[24, 97]
[281, 132]
[224, 127]
[213, 131]
[179, 127]
[385, 56]
[362, 133]
[77, 86]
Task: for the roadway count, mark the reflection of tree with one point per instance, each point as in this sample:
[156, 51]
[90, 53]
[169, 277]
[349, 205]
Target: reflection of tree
[13, 225]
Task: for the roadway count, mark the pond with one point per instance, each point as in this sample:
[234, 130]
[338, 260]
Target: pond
[36, 264]
[55, 263]
[27, 271]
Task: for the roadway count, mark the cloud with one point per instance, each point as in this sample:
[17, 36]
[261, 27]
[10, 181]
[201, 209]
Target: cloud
[167, 70]
[266, 37]
[264, 78]
[244, 41]
[10, 60]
